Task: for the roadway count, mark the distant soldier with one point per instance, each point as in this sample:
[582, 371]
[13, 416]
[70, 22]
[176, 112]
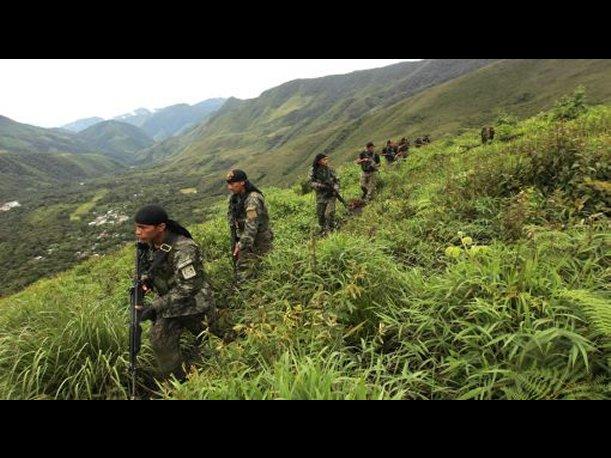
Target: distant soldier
[369, 161]
[419, 142]
[403, 148]
[251, 234]
[173, 269]
[426, 139]
[326, 185]
[390, 152]
[487, 134]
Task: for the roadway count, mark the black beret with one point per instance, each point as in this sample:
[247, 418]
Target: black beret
[236, 175]
[370, 144]
[151, 215]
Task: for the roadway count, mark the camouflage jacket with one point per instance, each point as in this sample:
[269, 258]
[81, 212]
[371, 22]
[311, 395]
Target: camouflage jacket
[373, 162]
[323, 180]
[249, 221]
[179, 280]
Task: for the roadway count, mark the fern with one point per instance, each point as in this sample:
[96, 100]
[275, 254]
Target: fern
[547, 384]
[596, 309]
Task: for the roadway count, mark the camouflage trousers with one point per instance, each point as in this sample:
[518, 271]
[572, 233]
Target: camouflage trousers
[165, 339]
[368, 184]
[248, 262]
[325, 211]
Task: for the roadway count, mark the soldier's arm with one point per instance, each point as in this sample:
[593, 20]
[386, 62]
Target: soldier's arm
[254, 210]
[189, 276]
[314, 183]
[232, 229]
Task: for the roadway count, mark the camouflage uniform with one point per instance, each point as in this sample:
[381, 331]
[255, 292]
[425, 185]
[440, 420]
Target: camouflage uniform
[324, 181]
[250, 229]
[487, 134]
[390, 154]
[369, 168]
[184, 300]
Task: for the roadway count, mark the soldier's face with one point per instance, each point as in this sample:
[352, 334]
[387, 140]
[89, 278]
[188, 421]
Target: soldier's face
[370, 149]
[146, 233]
[324, 161]
[237, 187]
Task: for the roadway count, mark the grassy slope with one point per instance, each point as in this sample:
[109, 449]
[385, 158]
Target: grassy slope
[18, 137]
[119, 140]
[472, 275]
[302, 107]
[24, 173]
[273, 142]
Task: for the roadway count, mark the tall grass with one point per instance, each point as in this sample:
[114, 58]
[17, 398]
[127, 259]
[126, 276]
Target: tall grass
[476, 273]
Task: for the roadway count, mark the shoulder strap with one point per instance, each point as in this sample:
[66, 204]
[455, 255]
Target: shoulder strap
[162, 254]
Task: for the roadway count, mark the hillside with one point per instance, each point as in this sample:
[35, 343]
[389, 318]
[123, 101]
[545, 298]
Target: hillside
[27, 173]
[276, 135]
[196, 164]
[81, 124]
[118, 140]
[175, 119]
[16, 137]
[478, 272]
[300, 108]
[169, 121]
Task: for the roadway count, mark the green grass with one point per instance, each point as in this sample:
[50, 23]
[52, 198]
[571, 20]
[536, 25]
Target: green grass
[472, 275]
[86, 207]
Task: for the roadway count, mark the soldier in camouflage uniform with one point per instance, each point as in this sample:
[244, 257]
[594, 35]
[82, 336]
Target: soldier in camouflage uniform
[390, 152]
[248, 218]
[173, 269]
[369, 161]
[487, 134]
[403, 148]
[326, 185]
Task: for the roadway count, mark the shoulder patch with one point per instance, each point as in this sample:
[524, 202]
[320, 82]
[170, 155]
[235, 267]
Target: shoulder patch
[184, 263]
[188, 272]
[251, 214]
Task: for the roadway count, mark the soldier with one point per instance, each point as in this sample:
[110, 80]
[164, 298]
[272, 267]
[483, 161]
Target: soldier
[369, 161]
[173, 269]
[403, 148]
[326, 185]
[389, 152]
[251, 234]
[487, 134]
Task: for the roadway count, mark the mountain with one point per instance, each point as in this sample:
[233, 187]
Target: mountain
[23, 138]
[118, 140]
[174, 120]
[161, 123]
[81, 124]
[166, 122]
[309, 107]
[26, 174]
[275, 136]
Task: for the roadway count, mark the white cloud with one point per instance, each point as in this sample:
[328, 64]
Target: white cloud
[53, 92]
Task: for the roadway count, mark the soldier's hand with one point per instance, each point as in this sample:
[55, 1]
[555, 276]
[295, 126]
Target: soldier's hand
[236, 251]
[148, 313]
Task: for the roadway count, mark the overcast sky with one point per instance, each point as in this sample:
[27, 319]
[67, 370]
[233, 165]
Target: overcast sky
[54, 92]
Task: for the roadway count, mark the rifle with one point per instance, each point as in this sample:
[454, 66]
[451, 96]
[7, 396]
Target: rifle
[336, 194]
[234, 241]
[339, 197]
[135, 330]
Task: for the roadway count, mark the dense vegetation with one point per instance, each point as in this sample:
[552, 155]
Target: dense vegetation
[478, 272]
[118, 140]
[275, 137]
